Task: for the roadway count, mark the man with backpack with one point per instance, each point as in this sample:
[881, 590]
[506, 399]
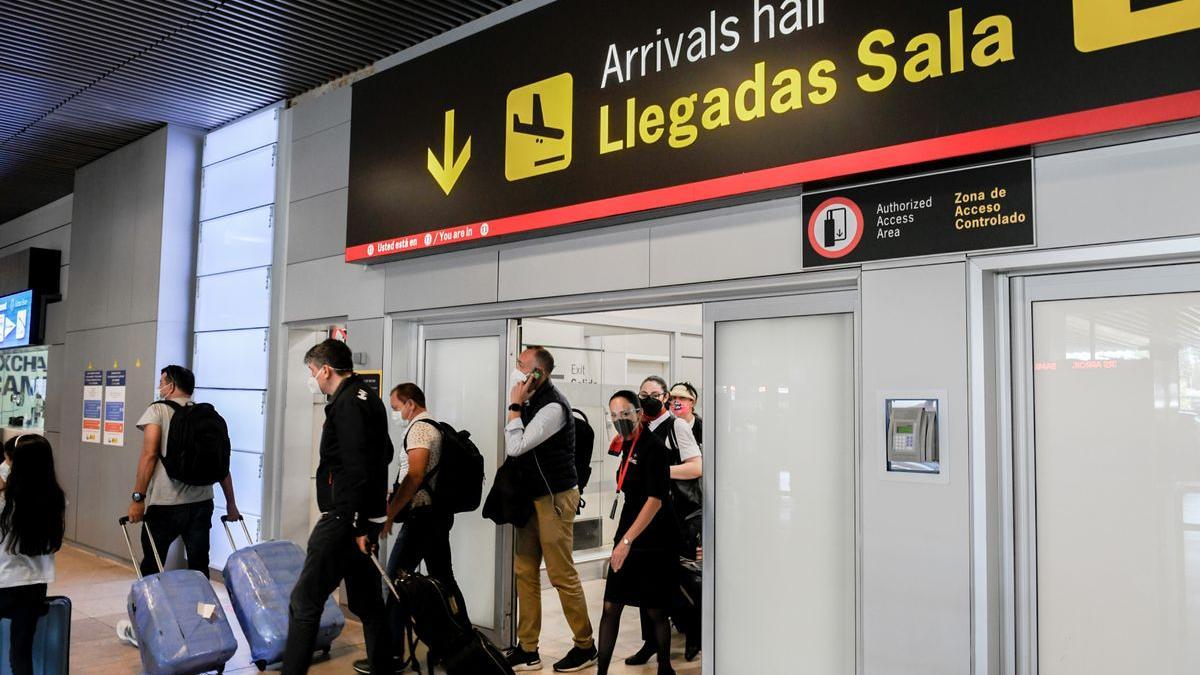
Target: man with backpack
[178, 466]
[416, 500]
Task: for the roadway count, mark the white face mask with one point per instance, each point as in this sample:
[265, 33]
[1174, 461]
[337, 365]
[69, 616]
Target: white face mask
[398, 418]
[517, 377]
[312, 384]
[5, 469]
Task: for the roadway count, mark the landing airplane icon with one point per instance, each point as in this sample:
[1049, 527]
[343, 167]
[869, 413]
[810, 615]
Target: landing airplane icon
[539, 129]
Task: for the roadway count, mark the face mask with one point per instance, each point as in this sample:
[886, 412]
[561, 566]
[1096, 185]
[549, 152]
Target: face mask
[398, 418]
[651, 406]
[625, 427]
[162, 393]
[5, 469]
[312, 384]
[517, 377]
[682, 407]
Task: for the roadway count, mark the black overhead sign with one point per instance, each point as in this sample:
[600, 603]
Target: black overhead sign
[984, 207]
[584, 110]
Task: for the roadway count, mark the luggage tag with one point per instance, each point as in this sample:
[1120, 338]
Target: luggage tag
[206, 610]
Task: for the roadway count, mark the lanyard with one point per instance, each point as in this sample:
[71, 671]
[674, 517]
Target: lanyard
[637, 434]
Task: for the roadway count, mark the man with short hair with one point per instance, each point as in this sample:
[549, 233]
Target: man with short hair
[170, 508]
[540, 437]
[425, 533]
[352, 496]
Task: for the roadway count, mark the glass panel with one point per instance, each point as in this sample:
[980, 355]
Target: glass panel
[246, 470]
[236, 242]
[234, 300]
[245, 413]
[1117, 472]
[250, 132]
[784, 434]
[235, 359]
[23, 388]
[461, 387]
[238, 184]
[219, 549]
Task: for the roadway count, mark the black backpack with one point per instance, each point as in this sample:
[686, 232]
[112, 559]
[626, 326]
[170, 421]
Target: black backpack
[197, 445]
[585, 438]
[460, 487]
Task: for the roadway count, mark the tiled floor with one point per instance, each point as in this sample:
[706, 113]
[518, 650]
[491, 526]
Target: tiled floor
[98, 589]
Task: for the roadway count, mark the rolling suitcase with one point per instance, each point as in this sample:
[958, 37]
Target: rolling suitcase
[51, 642]
[259, 579]
[424, 608]
[177, 618]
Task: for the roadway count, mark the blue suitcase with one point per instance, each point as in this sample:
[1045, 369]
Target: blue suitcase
[51, 642]
[259, 579]
[180, 626]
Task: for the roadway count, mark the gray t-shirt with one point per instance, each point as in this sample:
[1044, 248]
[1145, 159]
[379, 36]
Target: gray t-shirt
[164, 491]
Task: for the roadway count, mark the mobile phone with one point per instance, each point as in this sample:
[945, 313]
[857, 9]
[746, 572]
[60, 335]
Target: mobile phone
[536, 374]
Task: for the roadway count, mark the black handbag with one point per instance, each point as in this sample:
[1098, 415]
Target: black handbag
[507, 502]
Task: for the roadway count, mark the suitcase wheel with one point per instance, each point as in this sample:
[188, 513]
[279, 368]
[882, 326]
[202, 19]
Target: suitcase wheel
[261, 665]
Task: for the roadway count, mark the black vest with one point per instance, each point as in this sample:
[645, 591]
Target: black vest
[556, 456]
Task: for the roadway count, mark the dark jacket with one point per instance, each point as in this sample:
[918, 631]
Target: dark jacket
[355, 453]
[507, 503]
[555, 457]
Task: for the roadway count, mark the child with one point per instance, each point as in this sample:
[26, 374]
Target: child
[32, 521]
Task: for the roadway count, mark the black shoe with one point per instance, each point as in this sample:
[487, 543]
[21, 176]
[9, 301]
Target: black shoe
[642, 657]
[691, 650]
[520, 660]
[364, 666]
[577, 659]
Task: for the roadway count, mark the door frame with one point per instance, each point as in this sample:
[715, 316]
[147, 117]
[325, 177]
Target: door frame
[504, 615]
[803, 304]
[1022, 291]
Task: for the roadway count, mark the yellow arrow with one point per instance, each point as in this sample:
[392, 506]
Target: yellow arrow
[447, 171]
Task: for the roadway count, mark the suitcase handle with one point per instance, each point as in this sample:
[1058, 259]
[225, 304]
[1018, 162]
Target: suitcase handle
[225, 520]
[124, 523]
[386, 580]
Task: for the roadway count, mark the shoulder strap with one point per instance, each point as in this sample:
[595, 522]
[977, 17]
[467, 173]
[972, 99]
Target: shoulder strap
[429, 474]
[579, 412]
[671, 434]
[171, 404]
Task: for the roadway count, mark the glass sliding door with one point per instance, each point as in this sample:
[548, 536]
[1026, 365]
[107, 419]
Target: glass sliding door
[780, 560]
[462, 369]
[1108, 472]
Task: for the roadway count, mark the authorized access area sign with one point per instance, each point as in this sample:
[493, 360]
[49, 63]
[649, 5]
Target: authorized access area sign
[983, 207]
[582, 110]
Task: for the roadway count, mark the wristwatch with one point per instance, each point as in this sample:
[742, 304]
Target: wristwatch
[139, 497]
[514, 407]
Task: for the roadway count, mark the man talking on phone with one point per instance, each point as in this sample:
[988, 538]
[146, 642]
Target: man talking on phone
[540, 437]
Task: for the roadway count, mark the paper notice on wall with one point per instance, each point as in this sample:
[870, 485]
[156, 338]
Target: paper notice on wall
[114, 408]
[93, 405]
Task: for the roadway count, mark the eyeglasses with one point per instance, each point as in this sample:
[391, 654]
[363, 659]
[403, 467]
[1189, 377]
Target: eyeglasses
[630, 414]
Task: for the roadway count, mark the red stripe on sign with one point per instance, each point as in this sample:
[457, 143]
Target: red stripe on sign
[1071, 125]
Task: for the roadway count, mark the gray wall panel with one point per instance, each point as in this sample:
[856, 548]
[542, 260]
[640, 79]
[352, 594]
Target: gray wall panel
[1119, 193]
[613, 259]
[55, 369]
[916, 536]
[329, 287]
[107, 472]
[53, 215]
[321, 112]
[366, 336]
[316, 227]
[58, 239]
[321, 163]
[463, 278]
[741, 241]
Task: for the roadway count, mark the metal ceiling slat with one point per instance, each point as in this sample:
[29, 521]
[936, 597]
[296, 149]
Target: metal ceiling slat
[80, 78]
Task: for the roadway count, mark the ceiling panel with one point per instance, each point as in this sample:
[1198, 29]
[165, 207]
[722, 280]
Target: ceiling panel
[81, 78]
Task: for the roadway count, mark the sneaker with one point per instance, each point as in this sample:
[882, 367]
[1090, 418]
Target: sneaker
[125, 632]
[643, 655]
[577, 659]
[520, 660]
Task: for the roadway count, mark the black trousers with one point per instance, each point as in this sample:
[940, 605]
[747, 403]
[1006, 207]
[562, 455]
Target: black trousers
[425, 536]
[333, 556]
[23, 605]
[192, 522]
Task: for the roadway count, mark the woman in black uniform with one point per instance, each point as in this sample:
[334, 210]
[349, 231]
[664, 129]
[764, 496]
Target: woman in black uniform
[644, 566]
